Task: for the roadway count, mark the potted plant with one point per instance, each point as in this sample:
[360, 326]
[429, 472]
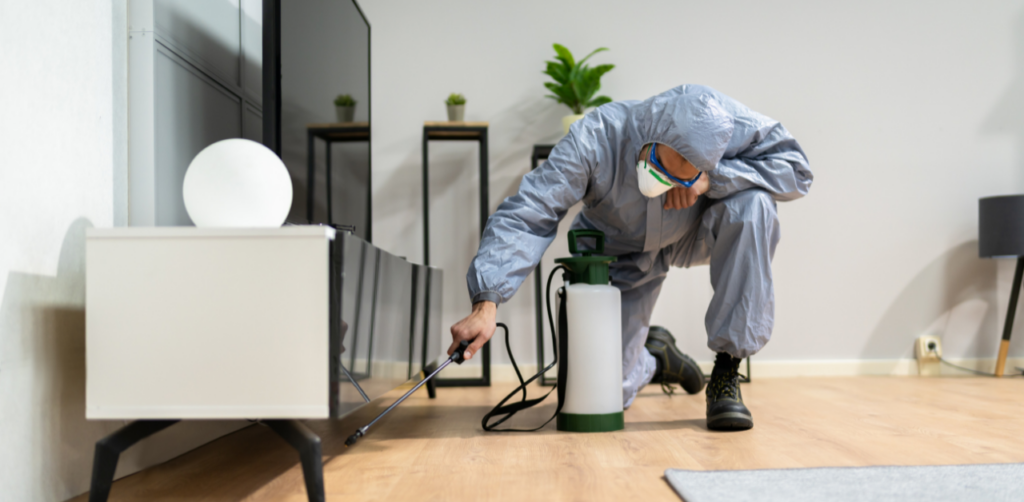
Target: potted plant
[345, 106]
[456, 107]
[575, 83]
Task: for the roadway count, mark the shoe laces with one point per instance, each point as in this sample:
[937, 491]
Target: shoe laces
[725, 377]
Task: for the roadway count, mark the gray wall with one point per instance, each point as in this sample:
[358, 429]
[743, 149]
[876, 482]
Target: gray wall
[196, 78]
[908, 111]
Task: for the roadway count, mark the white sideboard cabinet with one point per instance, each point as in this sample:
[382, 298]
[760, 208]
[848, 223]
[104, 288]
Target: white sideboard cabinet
[270, 324]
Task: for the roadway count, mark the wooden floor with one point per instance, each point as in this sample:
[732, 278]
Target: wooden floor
[436, 450]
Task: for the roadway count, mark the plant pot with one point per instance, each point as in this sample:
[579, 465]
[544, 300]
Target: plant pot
[456, 113]
[345, 113]
[568, 120]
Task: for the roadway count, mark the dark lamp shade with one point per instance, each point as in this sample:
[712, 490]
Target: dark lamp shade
[1001, 226]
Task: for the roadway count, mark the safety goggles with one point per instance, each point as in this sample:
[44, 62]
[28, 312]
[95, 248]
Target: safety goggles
[654, 160]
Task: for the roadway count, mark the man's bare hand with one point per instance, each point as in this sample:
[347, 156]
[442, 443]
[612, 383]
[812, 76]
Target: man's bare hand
[478, 327]
[682, 197]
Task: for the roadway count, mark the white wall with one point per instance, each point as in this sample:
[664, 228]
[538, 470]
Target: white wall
[63, 92]
[56, 178]
[908, 112]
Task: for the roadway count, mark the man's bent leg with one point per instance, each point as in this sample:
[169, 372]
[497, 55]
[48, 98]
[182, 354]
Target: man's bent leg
[638, 365]
[741, 233]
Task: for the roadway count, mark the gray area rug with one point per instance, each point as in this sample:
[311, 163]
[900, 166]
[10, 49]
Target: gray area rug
[989, 482]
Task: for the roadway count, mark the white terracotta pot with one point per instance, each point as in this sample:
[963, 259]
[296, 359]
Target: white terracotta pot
[568, 120]
[345, 113]
[456, 113]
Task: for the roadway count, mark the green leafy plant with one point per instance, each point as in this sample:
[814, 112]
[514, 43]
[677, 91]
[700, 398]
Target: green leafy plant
[455, 99]
[344, 100]
[574, 82]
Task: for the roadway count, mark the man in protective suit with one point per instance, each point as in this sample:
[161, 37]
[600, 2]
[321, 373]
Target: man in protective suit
[687, 177]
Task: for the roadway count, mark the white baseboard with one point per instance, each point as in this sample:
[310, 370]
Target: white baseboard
[782, 369]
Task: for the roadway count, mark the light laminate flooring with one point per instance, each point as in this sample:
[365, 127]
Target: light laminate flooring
[429, 450]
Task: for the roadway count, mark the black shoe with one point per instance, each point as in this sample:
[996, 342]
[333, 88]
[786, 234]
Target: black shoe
[726, 411]
[673, 365]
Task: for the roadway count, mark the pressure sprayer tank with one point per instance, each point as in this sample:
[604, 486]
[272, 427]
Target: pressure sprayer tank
[593, 348]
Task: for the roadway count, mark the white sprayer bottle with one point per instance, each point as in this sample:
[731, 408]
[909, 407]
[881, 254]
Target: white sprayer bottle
[591, 313]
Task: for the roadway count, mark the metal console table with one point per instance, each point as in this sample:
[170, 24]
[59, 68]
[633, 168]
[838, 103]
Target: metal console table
[348, 132]
[540, 153]
[458, 131]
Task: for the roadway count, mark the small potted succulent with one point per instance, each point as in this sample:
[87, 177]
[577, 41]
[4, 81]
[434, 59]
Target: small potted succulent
[456, 107]
[346, 107]
[575, 83]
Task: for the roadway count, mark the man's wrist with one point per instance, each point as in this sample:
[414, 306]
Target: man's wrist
[485, 306]
[489, 295]
[704, 184]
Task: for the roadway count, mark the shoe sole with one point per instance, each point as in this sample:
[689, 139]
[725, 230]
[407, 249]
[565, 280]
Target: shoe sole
[730, 421]
[701, 381]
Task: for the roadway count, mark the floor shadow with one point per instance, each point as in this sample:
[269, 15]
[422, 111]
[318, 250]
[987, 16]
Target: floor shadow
[697, 424]
[42, 381]
[430, 421]
[42, 363]
[954, 279]
[231, 468]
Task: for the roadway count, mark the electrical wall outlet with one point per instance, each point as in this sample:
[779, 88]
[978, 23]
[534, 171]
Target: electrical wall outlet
[928, 348]
[928, 351]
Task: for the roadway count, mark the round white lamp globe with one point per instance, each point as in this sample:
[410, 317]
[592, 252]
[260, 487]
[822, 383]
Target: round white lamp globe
[237, 183]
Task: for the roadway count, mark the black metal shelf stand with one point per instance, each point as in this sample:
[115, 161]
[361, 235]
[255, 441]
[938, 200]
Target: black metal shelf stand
[540, 153]
[458, 131]
[354, 132]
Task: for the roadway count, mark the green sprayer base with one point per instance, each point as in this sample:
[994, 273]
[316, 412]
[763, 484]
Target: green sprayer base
[590, 423]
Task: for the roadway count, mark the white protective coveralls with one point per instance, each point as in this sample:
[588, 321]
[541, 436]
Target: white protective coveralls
[751, 162]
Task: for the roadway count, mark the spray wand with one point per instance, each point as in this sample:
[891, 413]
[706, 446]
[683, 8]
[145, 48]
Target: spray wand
[458, 357]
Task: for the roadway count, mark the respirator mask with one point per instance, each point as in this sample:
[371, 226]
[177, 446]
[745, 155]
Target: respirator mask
[652, 177]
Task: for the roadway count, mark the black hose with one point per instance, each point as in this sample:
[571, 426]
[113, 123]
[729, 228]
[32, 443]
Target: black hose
[512, 409]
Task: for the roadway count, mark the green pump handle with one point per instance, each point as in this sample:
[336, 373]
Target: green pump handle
[596, 234]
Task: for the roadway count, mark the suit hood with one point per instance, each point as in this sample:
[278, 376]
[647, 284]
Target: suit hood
[686, 119]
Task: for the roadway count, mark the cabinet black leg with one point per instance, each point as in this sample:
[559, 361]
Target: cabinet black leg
[109, 449]
[431, 389]
[308, 444]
